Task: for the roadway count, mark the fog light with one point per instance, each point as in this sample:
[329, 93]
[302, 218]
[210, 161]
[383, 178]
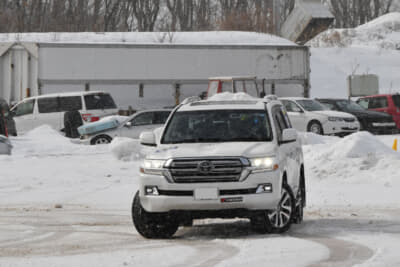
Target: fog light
[264, 188]
[151, 190]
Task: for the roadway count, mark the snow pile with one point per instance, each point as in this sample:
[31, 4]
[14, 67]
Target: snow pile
[308, 138]
[359, 145]
[202, 38]
[125, 149]
[383, 32]
[360, 157]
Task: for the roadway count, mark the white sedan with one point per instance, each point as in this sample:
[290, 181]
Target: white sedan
[132, 127]
[308, 115]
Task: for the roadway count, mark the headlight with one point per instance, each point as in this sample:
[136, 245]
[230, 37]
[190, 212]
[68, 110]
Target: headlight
[263, 164]
[152, 166]
[334, 119]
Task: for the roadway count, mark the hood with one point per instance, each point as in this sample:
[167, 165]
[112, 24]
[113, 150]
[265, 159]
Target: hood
[371, 114]
[331, 113]
[225, 149]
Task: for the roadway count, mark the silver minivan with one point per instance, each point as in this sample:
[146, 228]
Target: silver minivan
[49, 109]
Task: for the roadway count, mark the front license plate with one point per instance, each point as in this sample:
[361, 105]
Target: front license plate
[205, 193]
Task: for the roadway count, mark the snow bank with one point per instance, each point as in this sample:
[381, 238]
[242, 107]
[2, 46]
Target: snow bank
[315, 139]
[125, 149]
[383, 32]
[203, 38]
[359, 145]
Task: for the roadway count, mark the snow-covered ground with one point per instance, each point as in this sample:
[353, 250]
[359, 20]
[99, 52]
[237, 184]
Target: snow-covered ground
[65, 204]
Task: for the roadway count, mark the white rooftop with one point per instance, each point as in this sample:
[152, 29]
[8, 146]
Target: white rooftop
[202, 38]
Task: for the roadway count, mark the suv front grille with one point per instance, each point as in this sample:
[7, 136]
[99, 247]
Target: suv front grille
[206, 170]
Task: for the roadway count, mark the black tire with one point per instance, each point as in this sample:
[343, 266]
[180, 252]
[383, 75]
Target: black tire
[101, 139]
[72, 120]
[300, 200]
[152, 225]
[315, 127]
[279, 220]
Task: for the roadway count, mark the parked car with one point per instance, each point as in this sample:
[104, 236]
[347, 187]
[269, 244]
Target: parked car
[308, 115]
[49, 109]
[7, 123]
[372, 121]
[222, 159]
[388, 103]
[5, 145]
[103, 131]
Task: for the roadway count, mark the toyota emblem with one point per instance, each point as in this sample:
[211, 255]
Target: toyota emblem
[205, 166]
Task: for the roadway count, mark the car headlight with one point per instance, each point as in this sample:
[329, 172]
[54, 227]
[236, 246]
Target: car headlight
[335, 119]
[152, 166]
[263, 164]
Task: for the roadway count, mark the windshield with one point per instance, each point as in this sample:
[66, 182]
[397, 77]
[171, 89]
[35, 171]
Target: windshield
[311, 105]
[396, 100]
[348, 105]
[218, 126]
[99, 101]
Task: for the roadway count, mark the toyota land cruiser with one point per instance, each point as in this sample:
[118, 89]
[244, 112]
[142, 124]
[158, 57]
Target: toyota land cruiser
[222, 159]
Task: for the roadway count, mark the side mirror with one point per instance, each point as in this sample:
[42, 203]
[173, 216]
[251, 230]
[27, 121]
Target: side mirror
[128, 124]
[289, 135]
[148, 139]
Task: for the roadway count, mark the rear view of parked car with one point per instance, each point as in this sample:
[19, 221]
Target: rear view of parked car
[383, 103]
[308, 115]
[102, 132]
[372, 121]
[50, 109]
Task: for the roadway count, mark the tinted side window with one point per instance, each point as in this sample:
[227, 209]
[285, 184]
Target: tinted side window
[24, 108]
[99, 101]
[48, 105]
[143, 119]
[378, 102]
[70, 103]
[160, 117]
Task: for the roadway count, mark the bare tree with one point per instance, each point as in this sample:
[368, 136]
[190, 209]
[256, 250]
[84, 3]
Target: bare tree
[146, 13]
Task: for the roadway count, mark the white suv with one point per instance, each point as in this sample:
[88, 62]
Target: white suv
[222, 159]
[308, 115]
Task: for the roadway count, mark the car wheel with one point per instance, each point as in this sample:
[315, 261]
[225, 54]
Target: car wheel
[101, 139]
[300, 201]
[315, 127]
[152, 225]
[278, 220]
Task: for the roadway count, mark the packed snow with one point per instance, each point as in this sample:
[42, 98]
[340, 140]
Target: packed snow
[80, 197]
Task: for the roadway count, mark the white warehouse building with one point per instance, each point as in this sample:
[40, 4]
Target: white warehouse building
[147, 70]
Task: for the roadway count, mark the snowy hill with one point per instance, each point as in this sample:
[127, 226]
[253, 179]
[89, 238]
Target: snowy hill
[383, 32]
[369, 48]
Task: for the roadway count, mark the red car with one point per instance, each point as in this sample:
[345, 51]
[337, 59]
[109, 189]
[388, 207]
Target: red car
[389, 103]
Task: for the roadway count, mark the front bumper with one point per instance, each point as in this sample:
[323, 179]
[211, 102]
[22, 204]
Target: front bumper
[231, 195]
[340, 127]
